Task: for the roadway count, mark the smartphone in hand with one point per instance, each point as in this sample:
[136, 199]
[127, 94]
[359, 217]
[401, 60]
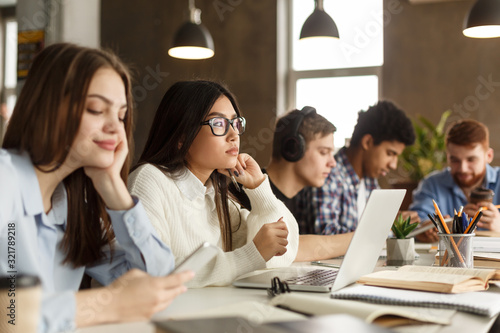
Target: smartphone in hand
[199, 258]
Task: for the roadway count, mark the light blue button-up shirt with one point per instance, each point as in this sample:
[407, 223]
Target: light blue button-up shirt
[441, 187]
[37, 238]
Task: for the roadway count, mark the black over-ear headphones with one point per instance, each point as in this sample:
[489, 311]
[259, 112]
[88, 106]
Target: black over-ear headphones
[293, 144]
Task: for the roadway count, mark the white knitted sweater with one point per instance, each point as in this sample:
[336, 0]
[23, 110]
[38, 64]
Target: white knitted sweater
[184, 214]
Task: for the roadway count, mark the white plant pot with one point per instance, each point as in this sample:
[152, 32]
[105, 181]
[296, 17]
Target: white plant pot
[400, 251]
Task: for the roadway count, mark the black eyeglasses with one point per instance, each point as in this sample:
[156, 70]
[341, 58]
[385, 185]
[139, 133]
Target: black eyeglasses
[220, 125]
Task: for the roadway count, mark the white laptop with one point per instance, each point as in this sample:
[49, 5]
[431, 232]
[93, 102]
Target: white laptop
[361, 256]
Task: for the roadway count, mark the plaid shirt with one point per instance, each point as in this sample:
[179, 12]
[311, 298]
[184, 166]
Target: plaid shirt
[336, 201]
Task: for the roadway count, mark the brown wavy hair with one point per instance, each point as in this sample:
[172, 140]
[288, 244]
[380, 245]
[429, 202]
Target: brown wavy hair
[468, 132]
[45, 123]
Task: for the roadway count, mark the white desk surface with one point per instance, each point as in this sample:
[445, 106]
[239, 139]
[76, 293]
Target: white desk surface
[195, 300]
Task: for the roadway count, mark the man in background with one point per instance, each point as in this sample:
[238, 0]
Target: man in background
[303, 156]
[379, 137]
[468, 154]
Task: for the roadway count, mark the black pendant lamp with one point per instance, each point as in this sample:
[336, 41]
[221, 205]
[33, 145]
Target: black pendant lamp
[192, 40]
[483, 20]
[319, 24]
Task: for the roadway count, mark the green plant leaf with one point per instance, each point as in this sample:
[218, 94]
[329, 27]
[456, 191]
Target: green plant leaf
[401, 227]
[397, 232]
[428, 153]
[409, 229]
[442, 121]
[407, 222]
[427, 123]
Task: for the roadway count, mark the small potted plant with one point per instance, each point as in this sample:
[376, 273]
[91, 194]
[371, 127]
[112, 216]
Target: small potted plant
[401, 250]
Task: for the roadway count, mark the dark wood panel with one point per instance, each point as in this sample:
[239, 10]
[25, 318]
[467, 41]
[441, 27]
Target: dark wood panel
[244, 34]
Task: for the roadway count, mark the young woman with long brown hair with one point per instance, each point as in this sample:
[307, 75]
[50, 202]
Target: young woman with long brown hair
[182, 180]
[63, 173]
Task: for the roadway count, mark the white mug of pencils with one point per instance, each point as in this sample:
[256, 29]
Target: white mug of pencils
[455, 246]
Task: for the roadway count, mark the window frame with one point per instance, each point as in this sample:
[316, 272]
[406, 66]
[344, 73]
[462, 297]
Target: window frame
[292, 75]
[7, 14]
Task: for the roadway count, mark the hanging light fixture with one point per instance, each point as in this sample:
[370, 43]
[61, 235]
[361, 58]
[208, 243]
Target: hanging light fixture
[319, 24]
[483, 20]
[192, 40]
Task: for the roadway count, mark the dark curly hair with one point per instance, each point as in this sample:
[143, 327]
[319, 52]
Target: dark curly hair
[384, 122]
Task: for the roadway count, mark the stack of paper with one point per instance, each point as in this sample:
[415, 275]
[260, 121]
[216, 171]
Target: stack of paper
[487, 244]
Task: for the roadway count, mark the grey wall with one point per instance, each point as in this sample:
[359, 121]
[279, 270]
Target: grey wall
[244, 33]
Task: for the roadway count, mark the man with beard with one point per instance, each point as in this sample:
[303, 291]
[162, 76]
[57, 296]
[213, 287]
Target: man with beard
[468, 154]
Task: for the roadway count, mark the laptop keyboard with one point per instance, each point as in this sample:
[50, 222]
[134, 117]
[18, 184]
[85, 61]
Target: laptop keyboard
[317, 277]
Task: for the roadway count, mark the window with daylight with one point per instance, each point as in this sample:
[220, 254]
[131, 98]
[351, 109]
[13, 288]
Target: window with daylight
[10, 66]
[9, 69]
[339, 77]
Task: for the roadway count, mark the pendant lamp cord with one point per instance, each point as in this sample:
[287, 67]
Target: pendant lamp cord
[194, 13]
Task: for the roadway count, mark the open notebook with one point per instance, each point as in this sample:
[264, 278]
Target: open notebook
[360, 258]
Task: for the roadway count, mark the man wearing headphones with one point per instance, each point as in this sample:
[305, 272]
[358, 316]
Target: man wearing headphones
[303, 156]
[380, 136]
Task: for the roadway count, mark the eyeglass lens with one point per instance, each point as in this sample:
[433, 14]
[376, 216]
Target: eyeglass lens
[220, 126]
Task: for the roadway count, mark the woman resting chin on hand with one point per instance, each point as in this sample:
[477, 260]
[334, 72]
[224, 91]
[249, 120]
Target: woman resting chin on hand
[182, 179]
[62, 189]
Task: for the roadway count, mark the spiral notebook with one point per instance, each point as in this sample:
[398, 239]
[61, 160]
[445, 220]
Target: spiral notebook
[484, 303]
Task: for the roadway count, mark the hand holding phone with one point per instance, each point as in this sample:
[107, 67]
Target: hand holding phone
[199, 258]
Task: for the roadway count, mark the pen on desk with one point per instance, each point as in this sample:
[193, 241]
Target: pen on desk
[474, 223]
[460, 226]
[470, 228]
[445, 227]
[476, 218]
[456, 226]
[281, 306]
[434, 222]
[234, 180]
[441, 219]
[465, 223]
[496, 206]
[479, 212]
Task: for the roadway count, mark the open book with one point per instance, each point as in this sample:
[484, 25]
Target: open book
[487, 233]
[331, 323]
[383, 315]
[487, 259]
[254, 311]
[436, 279]
[481, 260]
[298, 306]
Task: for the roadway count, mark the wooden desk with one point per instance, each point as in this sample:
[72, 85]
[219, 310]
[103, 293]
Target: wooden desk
[195, 300]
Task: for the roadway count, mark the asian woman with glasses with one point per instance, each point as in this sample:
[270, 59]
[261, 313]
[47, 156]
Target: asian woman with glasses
[64, 205]
[182, 178]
